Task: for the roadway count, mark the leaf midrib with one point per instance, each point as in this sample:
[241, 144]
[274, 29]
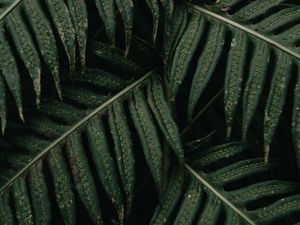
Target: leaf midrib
[244, 28]
[9, 9]
[79, 124]
[219, 195]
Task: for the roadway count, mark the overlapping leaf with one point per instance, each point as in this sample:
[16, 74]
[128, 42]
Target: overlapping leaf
[254, 55]
[101, 140]
[32, 33]
[223, 186]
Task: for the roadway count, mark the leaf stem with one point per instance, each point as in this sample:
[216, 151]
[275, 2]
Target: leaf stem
[219, 195]
[211, 101]
[9, 9]
[79, 124]
[244, 28]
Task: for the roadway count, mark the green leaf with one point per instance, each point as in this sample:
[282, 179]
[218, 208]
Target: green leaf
[62, 19]
[45, 38]
[116, 58]
[101, 79]
[168, 6]
[190, 205]
[281, 208]
[106, 9]
[78, 12]
[154, 7]
[279, 19]
[184, 53]
[234, 76]
[26, 49]
[10, 73]
[206, 65]
[214, 154]
[39, 195]
[255, 9]
[169, 200]
[162, 113]
[22, 202]
[211, 212]
[144, 123]
[255, 83]
[105, 164]
[263, 190]
[83, 178]
[123, 149]
[177, 28]
[126, 10]
[6, 214]
[276, 98]
[62, 186]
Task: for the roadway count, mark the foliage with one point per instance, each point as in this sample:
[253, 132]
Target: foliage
[149, 112]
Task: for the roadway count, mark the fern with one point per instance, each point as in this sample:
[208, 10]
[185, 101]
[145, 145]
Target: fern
[54, 121]
[267, 50]
[36, 41]
[229, 193]
[80, 173]
[23, 37]
[141, 112]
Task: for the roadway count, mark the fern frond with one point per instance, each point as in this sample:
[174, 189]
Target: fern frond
[162, 113]
[206, 65]
[123, 148]
[154, 7]
[255, 9]
[106, 9]
[5, 210]
[255, 84]
[37, 29]
[279, 19]
[9, 66]
[191, 203]
[231, 189]
[276, 99]
[105, 164]
[83, 178]
[144, 123]
[45, 38]
[250, 52]
[168, 7]
[184, 53]
[39, 194]
[62, 19]
[116, 58]
[169, 199]
[22, 202]
[78, 13]
[61, 138]
[64, 179]
[234, 76]
[126, 10]
[25, 48]
[178, 25]
[80, 174]
[23, 37]
[61, 178]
